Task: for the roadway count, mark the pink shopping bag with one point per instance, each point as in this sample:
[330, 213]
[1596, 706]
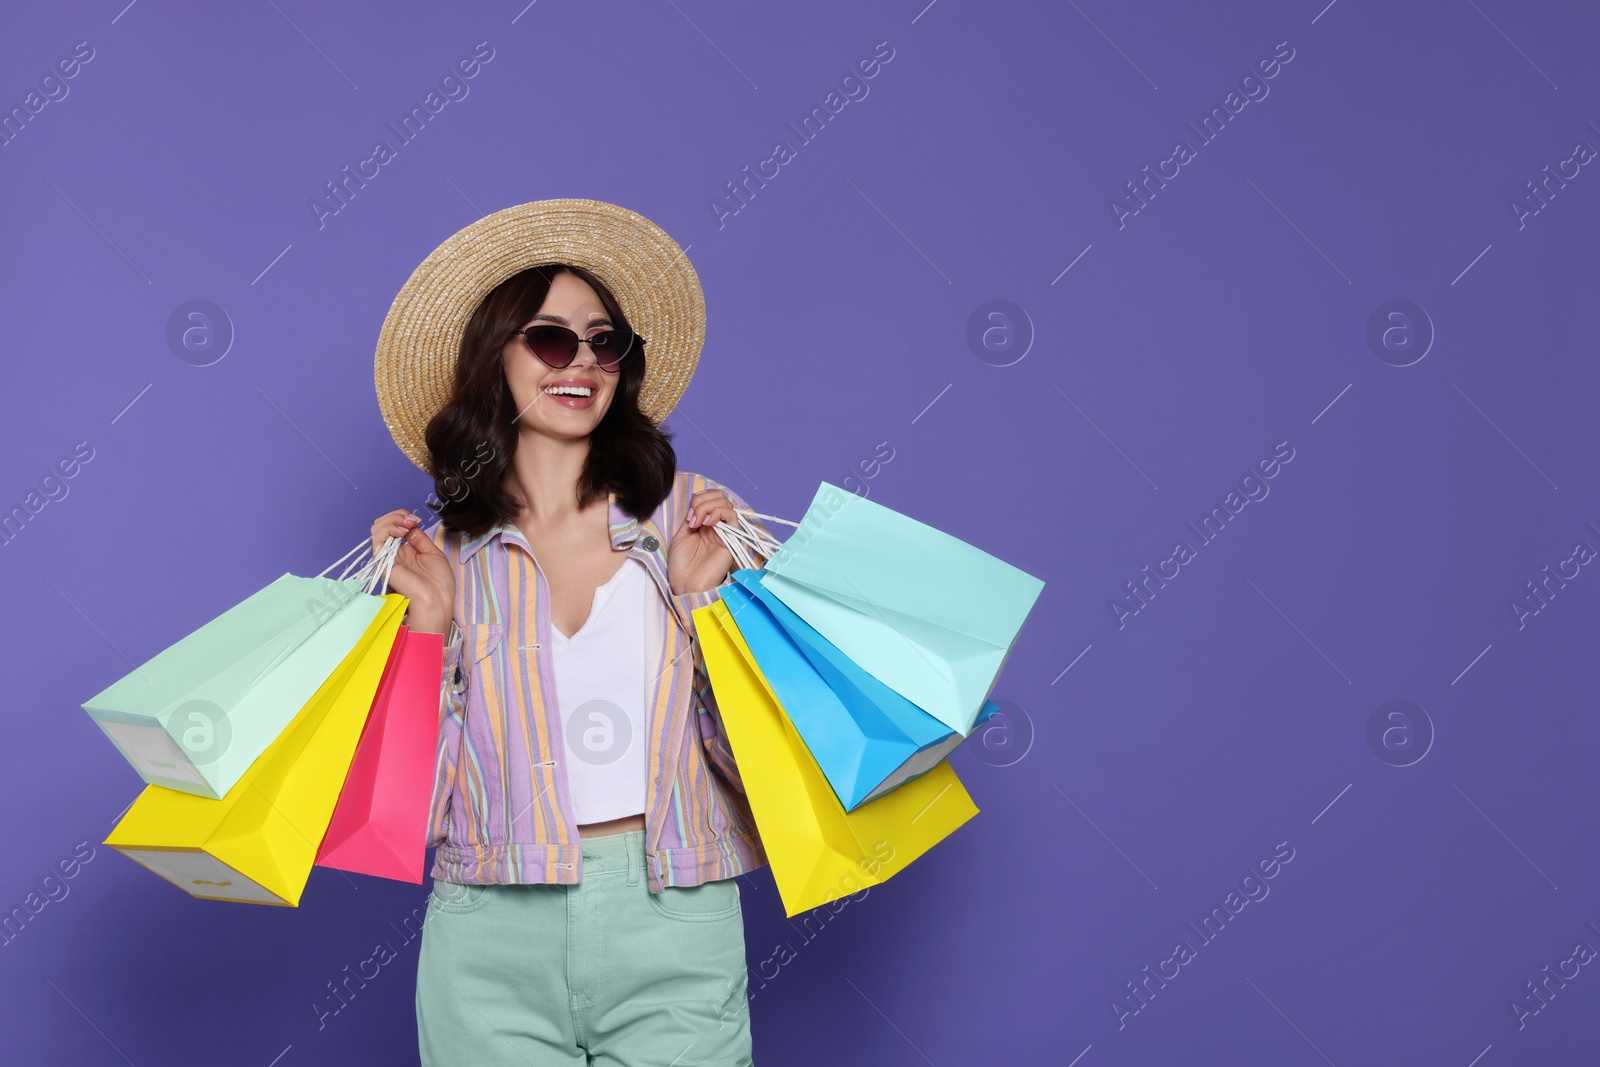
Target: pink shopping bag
[380, 824]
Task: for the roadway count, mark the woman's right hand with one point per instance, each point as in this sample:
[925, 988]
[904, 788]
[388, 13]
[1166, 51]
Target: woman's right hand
[421, 573]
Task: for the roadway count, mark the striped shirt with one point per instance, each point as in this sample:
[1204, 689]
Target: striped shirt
[502, 811]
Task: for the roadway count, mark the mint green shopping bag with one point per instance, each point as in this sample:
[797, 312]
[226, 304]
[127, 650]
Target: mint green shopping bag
[927, 614]
[197, 714]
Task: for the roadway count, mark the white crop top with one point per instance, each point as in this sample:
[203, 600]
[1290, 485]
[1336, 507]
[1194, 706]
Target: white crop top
[603, 678]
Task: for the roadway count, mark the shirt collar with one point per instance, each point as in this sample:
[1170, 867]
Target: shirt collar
[624, 532]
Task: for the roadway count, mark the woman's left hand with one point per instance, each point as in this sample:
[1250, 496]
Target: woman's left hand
[697, 560]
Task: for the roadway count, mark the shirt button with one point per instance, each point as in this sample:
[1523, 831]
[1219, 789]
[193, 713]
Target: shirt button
[650, 543]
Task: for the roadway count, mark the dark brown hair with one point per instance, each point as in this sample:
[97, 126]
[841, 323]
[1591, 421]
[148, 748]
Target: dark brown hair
[473, 438]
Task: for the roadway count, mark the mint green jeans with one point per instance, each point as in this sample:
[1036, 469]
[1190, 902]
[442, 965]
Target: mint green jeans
[601, 972]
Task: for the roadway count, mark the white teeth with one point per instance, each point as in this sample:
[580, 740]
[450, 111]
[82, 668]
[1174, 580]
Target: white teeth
[569, 390]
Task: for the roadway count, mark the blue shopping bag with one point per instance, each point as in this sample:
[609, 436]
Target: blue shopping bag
[866, 738]
[929, 615]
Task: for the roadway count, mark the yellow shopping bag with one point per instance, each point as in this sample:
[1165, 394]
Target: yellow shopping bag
[818, 851]
[258, 842]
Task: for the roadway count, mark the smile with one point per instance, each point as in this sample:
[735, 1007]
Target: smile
[574, 394]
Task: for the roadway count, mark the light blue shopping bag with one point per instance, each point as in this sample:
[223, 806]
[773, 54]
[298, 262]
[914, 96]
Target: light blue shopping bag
[866, 738]
[197, 714]
[929, 615]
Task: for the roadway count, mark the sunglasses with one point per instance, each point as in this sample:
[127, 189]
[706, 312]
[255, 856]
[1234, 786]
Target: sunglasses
[558, 346]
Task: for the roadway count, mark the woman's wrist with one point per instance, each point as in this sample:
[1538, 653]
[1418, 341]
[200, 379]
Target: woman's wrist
[713, 587]
[427, 619]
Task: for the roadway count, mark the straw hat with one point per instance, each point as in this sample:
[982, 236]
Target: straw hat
[658, 289]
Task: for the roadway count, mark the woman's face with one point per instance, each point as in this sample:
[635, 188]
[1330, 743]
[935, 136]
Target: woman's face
[563, 413]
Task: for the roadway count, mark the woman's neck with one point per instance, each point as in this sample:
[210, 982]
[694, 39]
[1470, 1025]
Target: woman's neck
[545, 472]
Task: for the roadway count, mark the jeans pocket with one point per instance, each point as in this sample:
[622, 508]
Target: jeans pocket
[454, 898]
[713, 901]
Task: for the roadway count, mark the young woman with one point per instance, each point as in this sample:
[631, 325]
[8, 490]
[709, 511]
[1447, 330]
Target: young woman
[588, 814]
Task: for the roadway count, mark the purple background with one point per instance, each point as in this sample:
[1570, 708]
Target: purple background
[1125, 796]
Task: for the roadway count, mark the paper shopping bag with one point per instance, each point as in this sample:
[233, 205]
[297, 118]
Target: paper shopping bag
[196, 715]
[257, 843]
[379, 826]
[927, 614]
[866, 738]
[818, 851]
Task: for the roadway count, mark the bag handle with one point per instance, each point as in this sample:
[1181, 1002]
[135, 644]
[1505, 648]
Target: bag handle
[377, 571]
[372, 573]
[359, 551]
[744, 541]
